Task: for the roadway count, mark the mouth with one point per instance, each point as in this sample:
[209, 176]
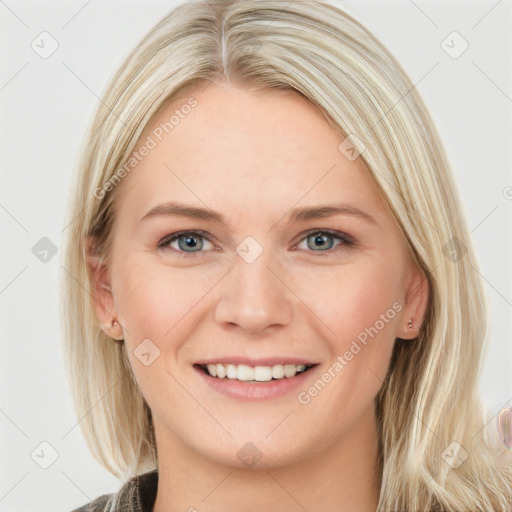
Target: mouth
[264, 379]
[252, 374]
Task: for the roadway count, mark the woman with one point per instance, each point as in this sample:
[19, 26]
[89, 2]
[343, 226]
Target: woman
[270, 288]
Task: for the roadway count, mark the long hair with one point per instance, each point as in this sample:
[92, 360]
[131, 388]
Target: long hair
[434, 453]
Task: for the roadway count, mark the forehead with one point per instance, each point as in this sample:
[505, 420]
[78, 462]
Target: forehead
[269, 147]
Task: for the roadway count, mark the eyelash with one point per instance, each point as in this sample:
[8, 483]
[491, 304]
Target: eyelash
[346, 241]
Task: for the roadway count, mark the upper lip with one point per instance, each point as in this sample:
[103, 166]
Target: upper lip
[267, 361]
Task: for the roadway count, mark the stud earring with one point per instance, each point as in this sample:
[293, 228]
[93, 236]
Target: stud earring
[113, 327]
[409, 325]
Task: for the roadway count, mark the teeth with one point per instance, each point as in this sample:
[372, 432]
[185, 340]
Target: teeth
[254, 373]
[278, 371]
[232, 371]
[289, 370]
[262, 373]
[221, 371]
[245, 372]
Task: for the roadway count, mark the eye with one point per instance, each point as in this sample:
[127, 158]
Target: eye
[189, 243]
[322, 241]
[186, 243]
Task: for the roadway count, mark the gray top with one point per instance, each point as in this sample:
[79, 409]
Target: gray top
[136, 495]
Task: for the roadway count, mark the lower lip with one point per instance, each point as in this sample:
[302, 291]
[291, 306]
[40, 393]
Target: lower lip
[255, 390]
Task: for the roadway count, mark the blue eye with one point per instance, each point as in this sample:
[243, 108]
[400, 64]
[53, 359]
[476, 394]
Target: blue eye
[189, 242]
[323, 241]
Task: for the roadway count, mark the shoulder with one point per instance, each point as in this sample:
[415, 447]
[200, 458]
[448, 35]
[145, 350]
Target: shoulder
[101, 504]
[136, 495]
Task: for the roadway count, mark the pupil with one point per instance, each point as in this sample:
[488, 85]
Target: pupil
[320, 242]
[190, 241]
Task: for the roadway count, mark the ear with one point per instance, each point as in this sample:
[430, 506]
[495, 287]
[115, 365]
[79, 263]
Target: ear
[101, 291]
[415, 304]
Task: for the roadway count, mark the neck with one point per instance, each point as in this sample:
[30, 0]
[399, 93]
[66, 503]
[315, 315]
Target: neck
[343, 478]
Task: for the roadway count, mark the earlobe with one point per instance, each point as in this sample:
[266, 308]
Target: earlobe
[416, 301]
[114, 330]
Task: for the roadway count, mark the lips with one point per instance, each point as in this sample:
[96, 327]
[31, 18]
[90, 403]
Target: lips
[255, 378]
[251, 389]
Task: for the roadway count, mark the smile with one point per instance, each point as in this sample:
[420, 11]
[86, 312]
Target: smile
[255, 380]
[247, 373]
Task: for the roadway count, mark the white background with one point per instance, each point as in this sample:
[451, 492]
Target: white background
[45, 105]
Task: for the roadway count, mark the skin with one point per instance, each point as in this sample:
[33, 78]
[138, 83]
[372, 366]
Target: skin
[253, 157]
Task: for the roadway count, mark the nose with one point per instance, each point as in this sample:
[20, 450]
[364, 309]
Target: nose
[254, 297]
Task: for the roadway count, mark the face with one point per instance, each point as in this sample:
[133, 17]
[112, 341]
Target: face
[246, 243]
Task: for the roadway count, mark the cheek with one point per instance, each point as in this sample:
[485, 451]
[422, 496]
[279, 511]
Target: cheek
[361, 310]
[155, 302]
[152, 298]
[350, 300]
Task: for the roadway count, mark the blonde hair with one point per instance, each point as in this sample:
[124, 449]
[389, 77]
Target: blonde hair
[429, 401]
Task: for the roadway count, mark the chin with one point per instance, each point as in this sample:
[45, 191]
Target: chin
[257, 452]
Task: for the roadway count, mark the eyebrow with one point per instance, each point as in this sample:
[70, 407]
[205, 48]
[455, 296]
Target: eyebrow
[172, 208]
